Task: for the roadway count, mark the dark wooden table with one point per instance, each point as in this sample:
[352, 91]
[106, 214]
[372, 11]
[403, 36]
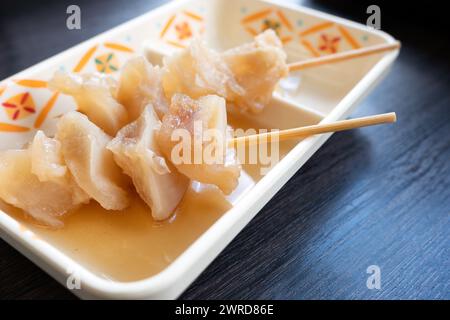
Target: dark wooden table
[376, 196]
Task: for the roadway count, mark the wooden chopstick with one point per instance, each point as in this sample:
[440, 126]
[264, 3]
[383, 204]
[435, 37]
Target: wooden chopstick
[336, 57]
[303, 132]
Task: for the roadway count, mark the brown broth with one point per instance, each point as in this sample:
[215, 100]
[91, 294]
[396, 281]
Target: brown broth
[129, 245]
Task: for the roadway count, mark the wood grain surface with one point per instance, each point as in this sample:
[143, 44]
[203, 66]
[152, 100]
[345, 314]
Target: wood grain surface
[373, 196]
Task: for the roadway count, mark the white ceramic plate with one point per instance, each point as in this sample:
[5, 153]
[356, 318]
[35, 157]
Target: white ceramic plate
[328, 92]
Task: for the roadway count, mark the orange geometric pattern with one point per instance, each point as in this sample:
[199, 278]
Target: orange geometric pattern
[347, 36]
[7, 127]
[22, 105]
[181, 27]
[308, 45]
[30, 83]
[319, 39]
[316, 28]
[118, 47]
[327, 38]
[19, 106]
[106, 63]
[270, 18]
[85, 59]
[45, 110]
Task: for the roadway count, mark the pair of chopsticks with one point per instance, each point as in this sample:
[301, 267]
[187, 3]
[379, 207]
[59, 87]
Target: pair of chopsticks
[304, 132]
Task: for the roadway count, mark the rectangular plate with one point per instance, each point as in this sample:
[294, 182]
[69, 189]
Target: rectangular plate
[329, 92]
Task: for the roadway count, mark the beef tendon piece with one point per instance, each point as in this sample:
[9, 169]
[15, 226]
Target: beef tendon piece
[92, 165]
[217, 164]
[245, 76]
[37, 181]
[47, 160]
[135, 150]
[257, 67]
[95, 95]
[141, 84]
[199, 71]
[47, 164]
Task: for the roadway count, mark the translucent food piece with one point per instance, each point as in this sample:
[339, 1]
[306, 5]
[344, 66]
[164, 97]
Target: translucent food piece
[203, 157]
[198, 71]
[257, 67]
[140, 84]
[48, 163]
[245, 76]
[83, 146]
[137, 153]
[36, 181]
[95, 96]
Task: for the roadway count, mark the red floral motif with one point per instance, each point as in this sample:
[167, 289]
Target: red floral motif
[329, 44]
[183, 30]
[19, 106]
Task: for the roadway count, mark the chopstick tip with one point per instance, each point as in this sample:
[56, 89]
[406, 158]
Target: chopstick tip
[393, 117]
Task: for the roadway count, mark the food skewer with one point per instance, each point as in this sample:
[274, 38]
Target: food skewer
[307, 131]
[362, 52]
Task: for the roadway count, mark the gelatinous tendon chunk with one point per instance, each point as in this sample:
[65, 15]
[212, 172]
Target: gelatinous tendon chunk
[47, 164]
[204, 156]
[199, 71]
[136, 151]
[95, 96]
[257, 67]
[140, 84]
[47, 160]
[36, 180]
[83, 146]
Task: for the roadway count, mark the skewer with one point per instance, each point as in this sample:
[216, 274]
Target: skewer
[362, 52]
[303, 132]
